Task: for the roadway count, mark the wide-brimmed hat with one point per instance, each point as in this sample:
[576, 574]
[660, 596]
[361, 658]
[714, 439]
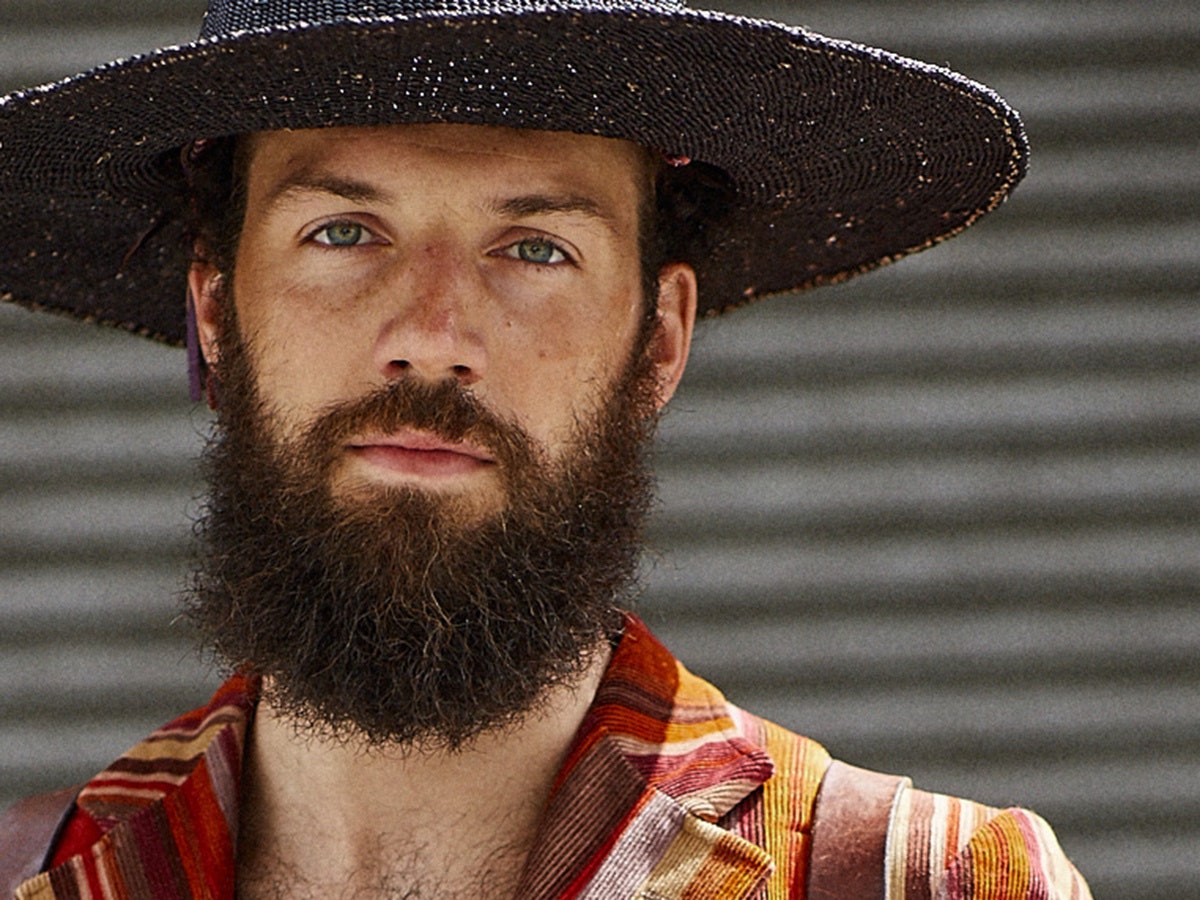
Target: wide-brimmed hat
[844, 157]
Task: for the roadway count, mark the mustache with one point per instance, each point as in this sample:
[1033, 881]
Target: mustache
[445, 409]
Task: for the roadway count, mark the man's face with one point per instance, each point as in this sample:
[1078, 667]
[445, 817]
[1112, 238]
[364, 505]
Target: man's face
[507, 261]
[437, 384]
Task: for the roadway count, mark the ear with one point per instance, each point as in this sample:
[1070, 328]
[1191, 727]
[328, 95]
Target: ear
[203, 278]
[677, 299]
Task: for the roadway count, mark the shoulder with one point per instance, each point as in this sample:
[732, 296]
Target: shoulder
[947, 848]
[42, 832]
[28, 830]
[872, 834]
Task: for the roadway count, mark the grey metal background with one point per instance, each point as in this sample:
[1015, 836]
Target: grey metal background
[943, 518]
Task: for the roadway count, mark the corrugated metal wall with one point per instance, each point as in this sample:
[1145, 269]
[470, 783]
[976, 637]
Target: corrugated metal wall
[945, 518]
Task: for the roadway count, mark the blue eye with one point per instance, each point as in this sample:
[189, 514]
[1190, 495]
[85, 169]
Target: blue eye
[342, 234]
[537, 250]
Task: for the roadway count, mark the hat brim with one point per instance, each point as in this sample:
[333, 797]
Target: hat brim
[845, 157]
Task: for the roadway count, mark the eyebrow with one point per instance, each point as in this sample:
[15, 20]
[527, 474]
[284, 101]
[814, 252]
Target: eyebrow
[307, 182]
[525, 206]
[540, 204]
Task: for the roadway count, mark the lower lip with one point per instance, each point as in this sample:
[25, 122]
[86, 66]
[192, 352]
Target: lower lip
[421, 463]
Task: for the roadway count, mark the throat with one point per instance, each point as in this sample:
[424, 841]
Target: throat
[333, 818]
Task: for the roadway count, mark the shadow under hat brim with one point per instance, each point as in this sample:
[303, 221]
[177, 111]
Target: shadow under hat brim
[845, 157]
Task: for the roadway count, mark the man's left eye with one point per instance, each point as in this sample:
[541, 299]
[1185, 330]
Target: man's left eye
[536, 250]
[342, 234]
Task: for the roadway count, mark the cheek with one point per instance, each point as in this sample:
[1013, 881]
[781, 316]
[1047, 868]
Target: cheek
[557, 371]
[566, 352]
[297, 340]
[579, 328]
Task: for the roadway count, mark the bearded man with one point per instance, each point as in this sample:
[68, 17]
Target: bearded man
[442, 264]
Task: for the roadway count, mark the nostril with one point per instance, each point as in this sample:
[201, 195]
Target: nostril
[465, 375]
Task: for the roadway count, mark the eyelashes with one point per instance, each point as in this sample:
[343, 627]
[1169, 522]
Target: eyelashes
[343, 233]
[537, 250]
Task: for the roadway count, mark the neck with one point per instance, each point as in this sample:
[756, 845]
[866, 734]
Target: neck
[318, 812]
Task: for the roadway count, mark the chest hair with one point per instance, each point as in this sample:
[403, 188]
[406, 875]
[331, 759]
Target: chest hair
[411, 875]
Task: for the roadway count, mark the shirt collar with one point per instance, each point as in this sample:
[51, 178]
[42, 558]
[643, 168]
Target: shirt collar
[657, 761]
[659, 758]
[676, 730]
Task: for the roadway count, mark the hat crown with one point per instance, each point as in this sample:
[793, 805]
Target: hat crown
[226, 17]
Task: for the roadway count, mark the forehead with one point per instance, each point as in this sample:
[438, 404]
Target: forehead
[450, 153]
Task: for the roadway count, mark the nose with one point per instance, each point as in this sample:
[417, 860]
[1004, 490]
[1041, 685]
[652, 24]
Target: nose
[433, 323]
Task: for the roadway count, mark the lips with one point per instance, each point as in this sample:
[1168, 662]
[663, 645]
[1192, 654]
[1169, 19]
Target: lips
[421, 454]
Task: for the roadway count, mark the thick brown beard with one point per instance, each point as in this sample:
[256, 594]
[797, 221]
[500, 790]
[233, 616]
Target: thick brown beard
[386, 617]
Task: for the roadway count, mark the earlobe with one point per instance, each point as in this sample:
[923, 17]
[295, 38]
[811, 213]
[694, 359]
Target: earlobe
[677, 299]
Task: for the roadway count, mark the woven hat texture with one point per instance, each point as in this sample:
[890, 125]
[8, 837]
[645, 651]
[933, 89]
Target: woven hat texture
[844, 156]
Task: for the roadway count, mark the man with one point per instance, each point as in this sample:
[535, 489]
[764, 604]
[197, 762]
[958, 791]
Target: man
[442, 265]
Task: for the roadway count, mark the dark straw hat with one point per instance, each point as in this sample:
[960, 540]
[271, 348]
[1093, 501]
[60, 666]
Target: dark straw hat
[844, 157]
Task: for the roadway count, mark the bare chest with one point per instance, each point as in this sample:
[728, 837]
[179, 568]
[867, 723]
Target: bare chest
[390, 869]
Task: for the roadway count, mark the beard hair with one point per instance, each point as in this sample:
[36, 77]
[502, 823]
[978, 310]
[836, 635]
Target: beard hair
[388, 615]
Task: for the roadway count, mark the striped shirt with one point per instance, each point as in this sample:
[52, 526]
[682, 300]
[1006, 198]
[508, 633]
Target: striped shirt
[668, 791]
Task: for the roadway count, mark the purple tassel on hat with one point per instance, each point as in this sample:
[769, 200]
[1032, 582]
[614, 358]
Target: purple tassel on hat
[195, 363]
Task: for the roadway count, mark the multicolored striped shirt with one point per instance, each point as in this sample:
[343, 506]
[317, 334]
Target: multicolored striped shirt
[669, 791]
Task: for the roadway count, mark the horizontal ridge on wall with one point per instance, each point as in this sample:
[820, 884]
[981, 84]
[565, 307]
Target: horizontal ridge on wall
[944, 518]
